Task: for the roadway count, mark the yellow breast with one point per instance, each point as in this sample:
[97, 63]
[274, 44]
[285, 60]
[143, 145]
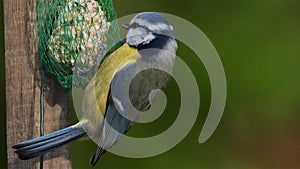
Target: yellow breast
[118, 60]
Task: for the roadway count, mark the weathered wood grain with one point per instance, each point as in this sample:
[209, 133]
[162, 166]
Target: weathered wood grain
[23, 67]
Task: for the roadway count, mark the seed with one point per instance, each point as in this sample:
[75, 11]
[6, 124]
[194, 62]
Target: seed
[93, 33]
[89, 45]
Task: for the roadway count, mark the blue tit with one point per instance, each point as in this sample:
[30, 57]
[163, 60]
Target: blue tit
[107, 113]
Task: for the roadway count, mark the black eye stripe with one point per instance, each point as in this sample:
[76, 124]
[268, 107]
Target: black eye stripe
[136, 25]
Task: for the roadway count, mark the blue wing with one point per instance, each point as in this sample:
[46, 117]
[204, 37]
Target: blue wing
[115, 124]
[129, 95]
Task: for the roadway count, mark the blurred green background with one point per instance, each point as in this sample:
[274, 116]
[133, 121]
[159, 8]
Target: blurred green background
[259, 44]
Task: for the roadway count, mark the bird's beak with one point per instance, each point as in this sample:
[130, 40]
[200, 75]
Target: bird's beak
[126, 26]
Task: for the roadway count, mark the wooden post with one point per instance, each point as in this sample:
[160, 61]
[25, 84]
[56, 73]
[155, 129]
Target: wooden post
[23, 68]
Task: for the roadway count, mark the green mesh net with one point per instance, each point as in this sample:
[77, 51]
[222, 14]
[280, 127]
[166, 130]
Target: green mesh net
[74, 35]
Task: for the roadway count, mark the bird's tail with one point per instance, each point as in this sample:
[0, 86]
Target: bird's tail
[39, 146]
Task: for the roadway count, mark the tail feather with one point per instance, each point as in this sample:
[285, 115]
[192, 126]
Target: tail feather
[39, 146]
[46, 137]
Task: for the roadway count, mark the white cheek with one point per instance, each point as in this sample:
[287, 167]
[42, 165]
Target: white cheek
[148, 38]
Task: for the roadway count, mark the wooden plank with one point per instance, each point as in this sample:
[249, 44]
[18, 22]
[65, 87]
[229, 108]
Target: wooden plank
[23, 67]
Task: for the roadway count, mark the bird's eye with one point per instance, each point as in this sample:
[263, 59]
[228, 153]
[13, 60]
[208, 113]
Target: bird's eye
[134, 25]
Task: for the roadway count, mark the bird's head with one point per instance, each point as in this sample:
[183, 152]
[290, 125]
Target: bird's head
[146, 27]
